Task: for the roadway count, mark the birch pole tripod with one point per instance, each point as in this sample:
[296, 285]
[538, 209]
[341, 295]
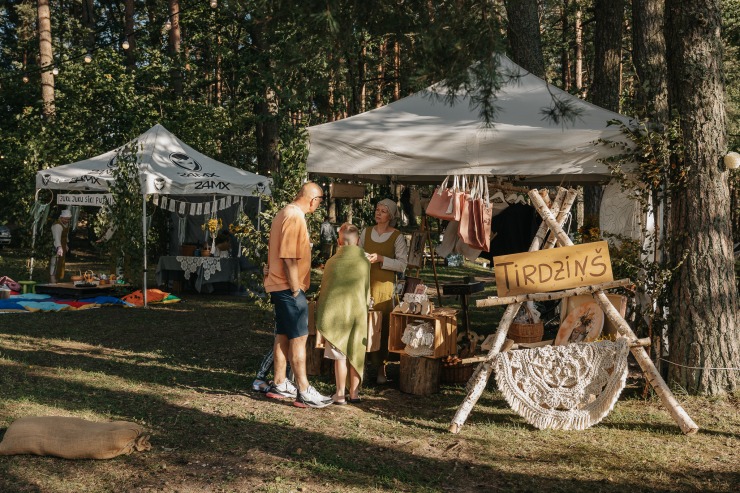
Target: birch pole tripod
[553, 220]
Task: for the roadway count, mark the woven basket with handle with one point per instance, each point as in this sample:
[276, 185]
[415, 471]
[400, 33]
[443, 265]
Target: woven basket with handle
[526, 332]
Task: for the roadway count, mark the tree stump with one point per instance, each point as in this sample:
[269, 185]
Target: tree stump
[419, 376]
[314, 357]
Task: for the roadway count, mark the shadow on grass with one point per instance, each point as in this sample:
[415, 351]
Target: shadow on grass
[203, 448]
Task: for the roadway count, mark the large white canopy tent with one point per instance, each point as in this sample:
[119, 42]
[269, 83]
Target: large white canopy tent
[167, 166]
[421, 139]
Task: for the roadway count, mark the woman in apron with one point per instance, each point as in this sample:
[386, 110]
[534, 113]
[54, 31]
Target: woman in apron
[387, 252]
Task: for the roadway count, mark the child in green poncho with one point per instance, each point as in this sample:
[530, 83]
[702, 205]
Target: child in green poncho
[341, 312]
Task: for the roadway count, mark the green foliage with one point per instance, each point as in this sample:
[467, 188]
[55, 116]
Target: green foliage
[127, 243]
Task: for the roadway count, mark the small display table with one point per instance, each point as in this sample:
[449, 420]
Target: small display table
[463, 290]
[69, 290]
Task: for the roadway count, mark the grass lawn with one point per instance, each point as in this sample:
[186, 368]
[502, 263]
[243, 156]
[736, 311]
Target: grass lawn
[183, 371]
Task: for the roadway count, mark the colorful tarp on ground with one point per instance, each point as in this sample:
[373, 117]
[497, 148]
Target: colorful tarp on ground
[47, 303]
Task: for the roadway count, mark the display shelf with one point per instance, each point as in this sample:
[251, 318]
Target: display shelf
[445, 331]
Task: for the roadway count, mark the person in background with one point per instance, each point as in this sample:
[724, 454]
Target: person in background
[328, 236]
[60, 236]
[388, 254]
[341, 312]
[288, 277]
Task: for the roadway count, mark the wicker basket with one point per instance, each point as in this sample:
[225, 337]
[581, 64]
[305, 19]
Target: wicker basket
[459, 374]
[526, 332]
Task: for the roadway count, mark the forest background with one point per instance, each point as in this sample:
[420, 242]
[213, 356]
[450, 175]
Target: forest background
[240, 81]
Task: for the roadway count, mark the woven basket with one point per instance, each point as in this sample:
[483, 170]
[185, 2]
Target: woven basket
[526, 332]
[457, 373]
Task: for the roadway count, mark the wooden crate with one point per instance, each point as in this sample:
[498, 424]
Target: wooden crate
[444, 321]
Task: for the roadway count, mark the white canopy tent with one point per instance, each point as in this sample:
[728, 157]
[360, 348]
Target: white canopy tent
[421, 139]
[167, 166]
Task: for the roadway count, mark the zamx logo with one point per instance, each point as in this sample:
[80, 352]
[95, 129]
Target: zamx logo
[45, 178]
[159, 183]
[184, 161]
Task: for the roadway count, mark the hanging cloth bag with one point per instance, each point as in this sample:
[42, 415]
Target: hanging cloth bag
[442, 203]
[466, 232]
[482, 213]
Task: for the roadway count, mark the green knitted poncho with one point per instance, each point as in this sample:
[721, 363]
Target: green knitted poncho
[341, 311]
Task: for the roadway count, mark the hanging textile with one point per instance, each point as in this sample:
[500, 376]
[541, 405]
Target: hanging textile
[75, 209]
[181, 229]
[569, 387]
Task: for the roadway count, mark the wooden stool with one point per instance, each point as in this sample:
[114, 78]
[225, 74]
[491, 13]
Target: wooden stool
[28, 287]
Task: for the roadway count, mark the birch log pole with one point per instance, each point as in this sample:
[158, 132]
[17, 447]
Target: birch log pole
[679, 415]
[479, 379]
[555, 295]
[562, 215]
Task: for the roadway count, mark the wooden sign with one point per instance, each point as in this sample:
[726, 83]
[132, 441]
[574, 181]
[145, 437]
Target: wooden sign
[92, 200]
[346, 191]
[553, 269]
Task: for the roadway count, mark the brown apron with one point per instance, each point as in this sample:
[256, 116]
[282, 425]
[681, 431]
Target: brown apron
[382, 287]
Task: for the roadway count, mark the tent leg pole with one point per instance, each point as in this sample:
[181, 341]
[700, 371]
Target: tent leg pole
[143, 231]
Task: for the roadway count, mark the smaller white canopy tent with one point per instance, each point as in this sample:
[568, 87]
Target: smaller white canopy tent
[167, 166]
[422, 139]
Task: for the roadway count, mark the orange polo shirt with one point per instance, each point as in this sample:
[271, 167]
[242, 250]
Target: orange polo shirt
[288, 239]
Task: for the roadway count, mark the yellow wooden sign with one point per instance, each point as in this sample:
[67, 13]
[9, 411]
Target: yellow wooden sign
[553, 269]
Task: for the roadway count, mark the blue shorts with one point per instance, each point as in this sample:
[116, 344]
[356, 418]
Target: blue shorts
[291, 313]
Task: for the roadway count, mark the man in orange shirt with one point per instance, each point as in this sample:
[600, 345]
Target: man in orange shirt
[287, 279]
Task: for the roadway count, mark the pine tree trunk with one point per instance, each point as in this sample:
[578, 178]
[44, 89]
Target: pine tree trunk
[397, 70]
[648, 54]
[381, 75]
[704, 304]
[578, 30]
[607, 81]
[524, 35]
[173, 44]
[46, 56]
[565, 50]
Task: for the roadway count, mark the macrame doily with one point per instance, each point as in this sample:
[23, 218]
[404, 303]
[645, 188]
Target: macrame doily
[419, 339]
[189, 265]
[569, 387]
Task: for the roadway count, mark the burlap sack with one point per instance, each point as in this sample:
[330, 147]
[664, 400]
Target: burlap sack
[73, 438]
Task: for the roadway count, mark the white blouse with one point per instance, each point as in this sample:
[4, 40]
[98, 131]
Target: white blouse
[397, 264]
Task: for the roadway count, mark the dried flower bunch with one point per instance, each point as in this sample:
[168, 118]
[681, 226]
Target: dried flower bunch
[213, 225]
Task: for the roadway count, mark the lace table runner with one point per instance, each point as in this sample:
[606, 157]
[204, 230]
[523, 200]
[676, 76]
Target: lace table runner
[190, 265]
[570, 387]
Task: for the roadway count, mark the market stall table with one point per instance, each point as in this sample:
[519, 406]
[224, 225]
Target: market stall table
[69, 290]
[207, 270]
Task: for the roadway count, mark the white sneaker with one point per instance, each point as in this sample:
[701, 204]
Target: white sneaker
[284, 390]
[312, 398]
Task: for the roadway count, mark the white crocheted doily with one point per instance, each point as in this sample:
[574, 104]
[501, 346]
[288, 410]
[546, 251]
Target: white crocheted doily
[569, 387]
[189, 265]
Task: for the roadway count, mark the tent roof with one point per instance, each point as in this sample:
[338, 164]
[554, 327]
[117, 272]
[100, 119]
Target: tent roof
[167, 166]
[421, 139]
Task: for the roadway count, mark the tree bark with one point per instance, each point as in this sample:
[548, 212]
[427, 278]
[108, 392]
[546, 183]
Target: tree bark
[578, 55]
[648, 55]
[565, 50]
[524, 35]
[704, 304]
[46, 56]
[173, 44]
[607, 82]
